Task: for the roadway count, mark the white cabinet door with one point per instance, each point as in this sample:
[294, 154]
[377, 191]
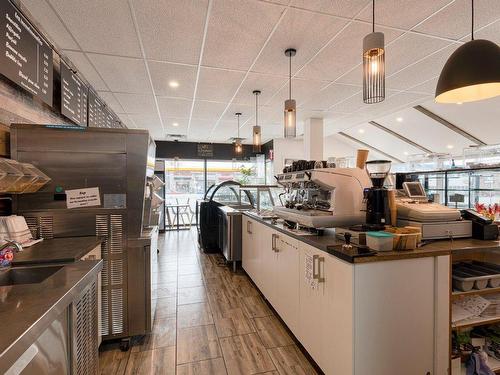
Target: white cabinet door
[287, 281]
[311, 300]
[337, 317]
[268, 261]
[247, 247]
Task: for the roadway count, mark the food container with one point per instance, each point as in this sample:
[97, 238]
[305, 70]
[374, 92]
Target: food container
[406, 238]
[380, 241]
[27, 178]
[41, 179]
[9, 175]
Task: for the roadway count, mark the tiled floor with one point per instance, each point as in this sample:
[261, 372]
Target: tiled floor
[208, 321]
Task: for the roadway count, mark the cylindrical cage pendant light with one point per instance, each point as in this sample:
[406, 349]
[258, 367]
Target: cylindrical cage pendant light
[257, 136]
[373, 66]
[238, 147]
[290, 123]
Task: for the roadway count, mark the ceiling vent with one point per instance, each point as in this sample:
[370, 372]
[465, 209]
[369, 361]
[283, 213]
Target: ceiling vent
[176, 137]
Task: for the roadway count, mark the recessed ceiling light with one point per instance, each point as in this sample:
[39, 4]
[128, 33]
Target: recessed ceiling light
[361, 131]
[399, 119]
[175, 124]
[460, 103]
[173, 84]
[406, 152]
[449, 147]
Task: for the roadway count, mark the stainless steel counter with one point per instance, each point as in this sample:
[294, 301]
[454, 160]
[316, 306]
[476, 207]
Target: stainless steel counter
[57, 250]
[27, 310]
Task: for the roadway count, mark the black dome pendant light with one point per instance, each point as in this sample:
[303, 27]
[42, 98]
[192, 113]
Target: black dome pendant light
[373, 65]
[471, 73]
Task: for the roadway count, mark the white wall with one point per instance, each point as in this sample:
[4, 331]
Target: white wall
[289, 149]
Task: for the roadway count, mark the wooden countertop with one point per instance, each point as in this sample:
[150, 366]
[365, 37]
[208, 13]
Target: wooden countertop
[328, 243]
[56, 250]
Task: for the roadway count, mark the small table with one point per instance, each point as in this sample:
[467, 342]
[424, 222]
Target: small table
[177, 207]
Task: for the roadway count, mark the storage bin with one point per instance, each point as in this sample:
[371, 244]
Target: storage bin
[380, 241]
[406, 238]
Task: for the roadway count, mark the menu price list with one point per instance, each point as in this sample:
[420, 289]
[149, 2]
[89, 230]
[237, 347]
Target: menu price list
[26, 58]
[99, 115]
[74, 95]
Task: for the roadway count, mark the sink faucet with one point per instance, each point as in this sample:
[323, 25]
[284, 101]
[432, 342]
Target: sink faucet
[14, 244]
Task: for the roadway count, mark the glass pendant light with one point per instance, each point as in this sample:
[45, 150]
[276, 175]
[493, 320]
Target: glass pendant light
[471, 73]
[290, 125]
[257, 137]
[373, 65]
[238, 148]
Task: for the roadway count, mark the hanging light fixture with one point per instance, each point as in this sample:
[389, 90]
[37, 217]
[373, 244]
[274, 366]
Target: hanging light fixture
[373, 65]
[290, 125]
[238, 148]
[471, 73]
[257, 137]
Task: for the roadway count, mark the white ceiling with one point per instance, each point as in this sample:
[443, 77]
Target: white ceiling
[219, 51]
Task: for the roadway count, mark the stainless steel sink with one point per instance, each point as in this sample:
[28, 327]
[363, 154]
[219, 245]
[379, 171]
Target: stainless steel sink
[26, 275]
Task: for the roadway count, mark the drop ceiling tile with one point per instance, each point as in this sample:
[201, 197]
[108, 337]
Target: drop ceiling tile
[402, 14]
[170, 107]
[491, 32]
[330, 96]
[410, 48]
[428, 87]
[353, 77]
[394, 102]
[47, 20]
[247, 112]
[136, 103]
[267, 84]
[122, 74]
[218, 84]
[84, 67]
[302, 90]
[171, 30]
[100, 26]
[454, 21]
[111, 101]
[421, 71]
[208, 110]
[162, 74]
[237, 30]
[175, 125]
[350, 104]
[149, 121]
[344, 8]
[477, 118]
[127, 121]
[416, 126]
[305, 31]
[343, 53]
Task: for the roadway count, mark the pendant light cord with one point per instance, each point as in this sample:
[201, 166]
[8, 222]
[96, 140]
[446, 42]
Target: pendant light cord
[256, 111]
[373, 16]
[290, 77]
[238, 126]
[472, 23]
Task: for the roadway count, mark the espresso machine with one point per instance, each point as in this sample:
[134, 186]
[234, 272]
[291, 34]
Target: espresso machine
[377, 197]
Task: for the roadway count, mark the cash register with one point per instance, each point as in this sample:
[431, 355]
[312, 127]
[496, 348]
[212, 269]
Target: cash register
[435, 220]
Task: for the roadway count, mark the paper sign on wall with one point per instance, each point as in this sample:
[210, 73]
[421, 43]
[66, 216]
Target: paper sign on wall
[83, 198]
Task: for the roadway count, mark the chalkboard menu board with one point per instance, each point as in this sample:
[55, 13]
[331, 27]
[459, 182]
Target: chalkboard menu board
[25, 58]
[74, 94]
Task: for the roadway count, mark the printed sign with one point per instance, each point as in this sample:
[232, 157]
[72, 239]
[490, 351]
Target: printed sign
[78, 198]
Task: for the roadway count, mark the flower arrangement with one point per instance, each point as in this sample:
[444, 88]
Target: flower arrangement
[491, 211]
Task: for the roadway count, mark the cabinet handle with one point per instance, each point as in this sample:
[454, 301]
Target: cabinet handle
[276, 249]
[273, 242]
[249, 227]
[317, 274]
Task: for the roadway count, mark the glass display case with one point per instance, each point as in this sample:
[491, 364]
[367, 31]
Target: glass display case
[265, 197]
[461, 188]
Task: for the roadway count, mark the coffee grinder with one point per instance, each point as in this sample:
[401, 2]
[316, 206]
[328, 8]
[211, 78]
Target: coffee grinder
[377, 198]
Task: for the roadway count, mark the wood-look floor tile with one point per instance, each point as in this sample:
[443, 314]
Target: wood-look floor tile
[197, 343]
[208, 367]
[167, 267]
[245, 355]
[255, 307]
[290, 360]
[221, 304]
[165, 277]
[189, 261]
[113, 362]
[194, 314]
[187, 281]
[233, 323]
[163, 334]
[152, 362]
[166, 307]
[166, 290]
[272, 332]
[191, 295]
